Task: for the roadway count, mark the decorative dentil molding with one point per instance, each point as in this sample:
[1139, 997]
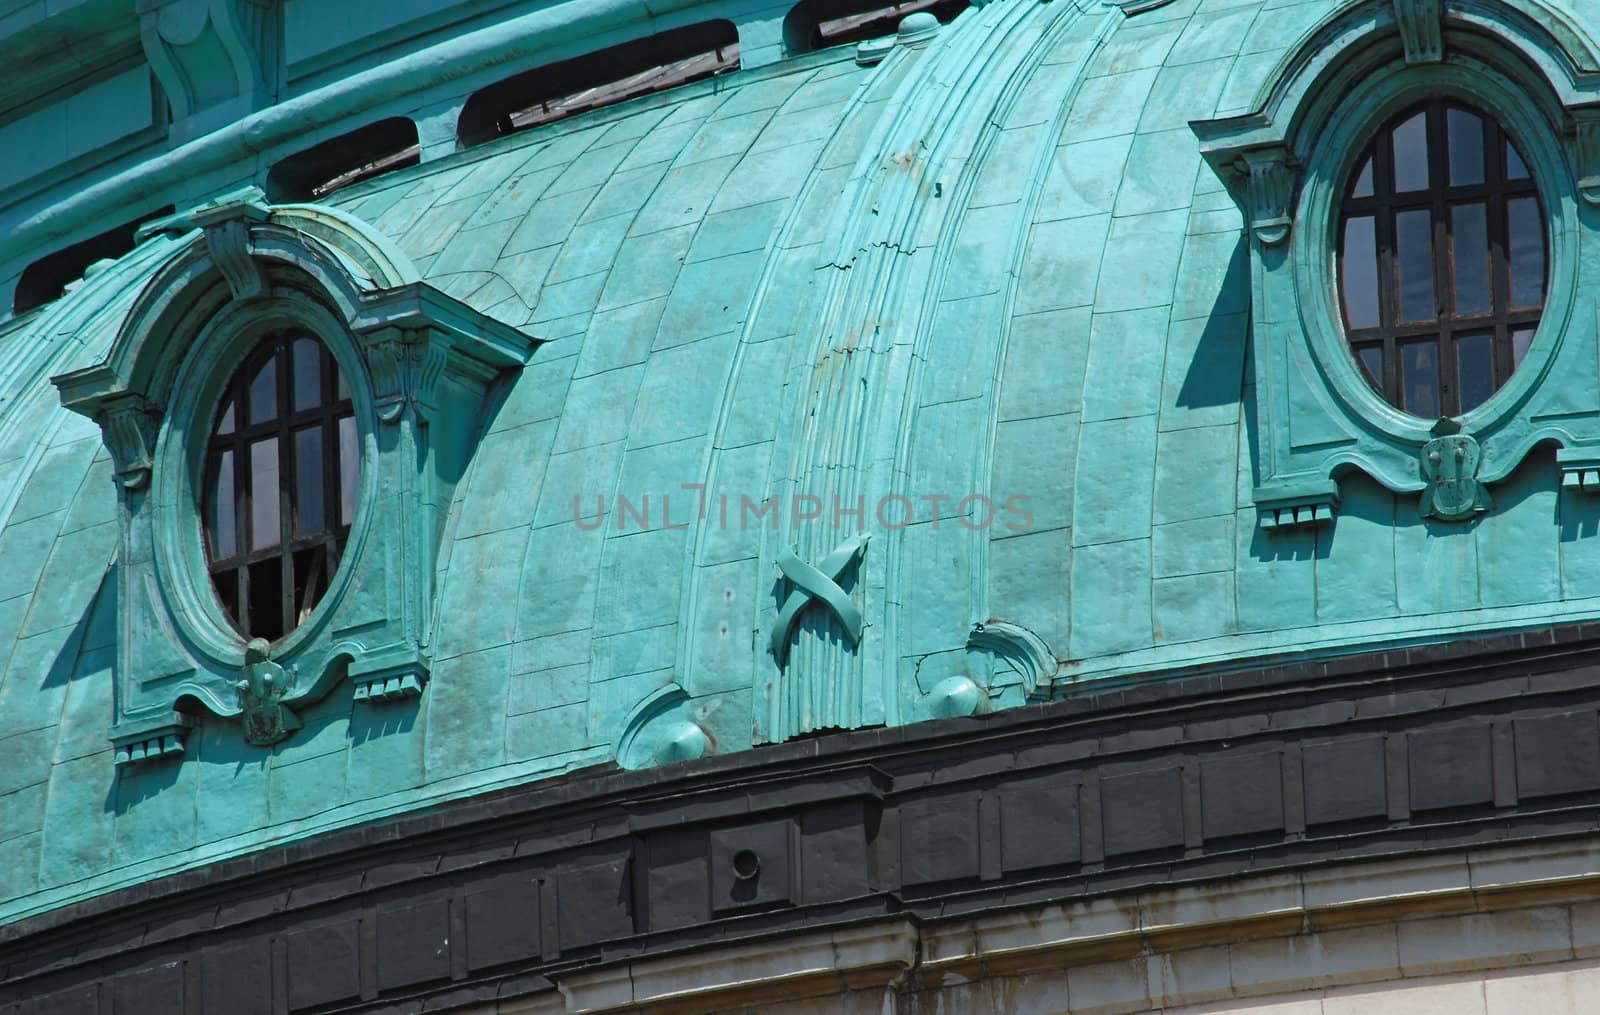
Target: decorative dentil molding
[1580, 469]
[390, 683]
[164, 735]
[1285, 507]
[420, 365]
[1421, 29]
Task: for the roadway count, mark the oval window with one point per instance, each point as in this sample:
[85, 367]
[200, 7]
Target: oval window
[1442, 259]
[281, 474]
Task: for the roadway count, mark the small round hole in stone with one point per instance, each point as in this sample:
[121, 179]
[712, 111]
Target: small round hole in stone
[746, 864]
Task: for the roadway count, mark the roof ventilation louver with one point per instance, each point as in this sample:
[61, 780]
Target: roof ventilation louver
[53, 275]
[349, 158]
[818, 24]
[603, 78]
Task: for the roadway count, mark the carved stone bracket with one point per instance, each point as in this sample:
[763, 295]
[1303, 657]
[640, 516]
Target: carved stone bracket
[1588, 126]
[406, 367]
[1421, 29]
[390, 358]
[210, 53]
[128, 426]
[1450, 468]
[227, 229]
[820, 583]
[229, 243]
[1269, 192]
[1021, 649]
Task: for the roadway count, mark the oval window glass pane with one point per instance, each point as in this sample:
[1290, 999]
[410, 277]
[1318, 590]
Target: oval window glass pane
[1371, 359]
[307, 360]
[1475, 369]
[1414, 263]
[265, 490]
[1360, 272]
[1411, 154]
[273, 483]
[309, 512]
[1516, 169]
[1466, 148]
[1459, 259]
[349, 468]
[220, 506]
[227, 585]
[1526, 246]
[1419, 378]
[1363, 184]
[263, 393]
[1469, 244]
[1521, 339]
[310, 580]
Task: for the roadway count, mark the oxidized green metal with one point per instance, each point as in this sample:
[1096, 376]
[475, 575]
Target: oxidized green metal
[1000, 263]
[820, 583]
[1450, 468]
[266, 719]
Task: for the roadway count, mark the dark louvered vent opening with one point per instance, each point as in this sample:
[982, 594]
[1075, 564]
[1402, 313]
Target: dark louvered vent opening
[47, 278]
[816, 24]
[564, 89]
[349, 158]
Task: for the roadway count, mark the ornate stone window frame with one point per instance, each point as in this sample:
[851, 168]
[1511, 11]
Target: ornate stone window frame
[1287, 162]
[420, 366]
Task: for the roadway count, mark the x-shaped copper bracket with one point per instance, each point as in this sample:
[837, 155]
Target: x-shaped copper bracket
[820, 582]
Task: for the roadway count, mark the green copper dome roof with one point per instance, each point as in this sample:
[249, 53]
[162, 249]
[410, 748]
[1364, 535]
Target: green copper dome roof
[994, 270]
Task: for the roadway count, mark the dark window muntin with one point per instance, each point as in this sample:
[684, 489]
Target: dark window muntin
[1384, 204]
[296, 570]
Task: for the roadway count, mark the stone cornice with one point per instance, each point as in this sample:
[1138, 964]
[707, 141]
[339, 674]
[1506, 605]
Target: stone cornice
[1329, 785]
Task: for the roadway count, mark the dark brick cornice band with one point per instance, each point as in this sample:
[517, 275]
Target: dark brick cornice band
[1194, 777]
